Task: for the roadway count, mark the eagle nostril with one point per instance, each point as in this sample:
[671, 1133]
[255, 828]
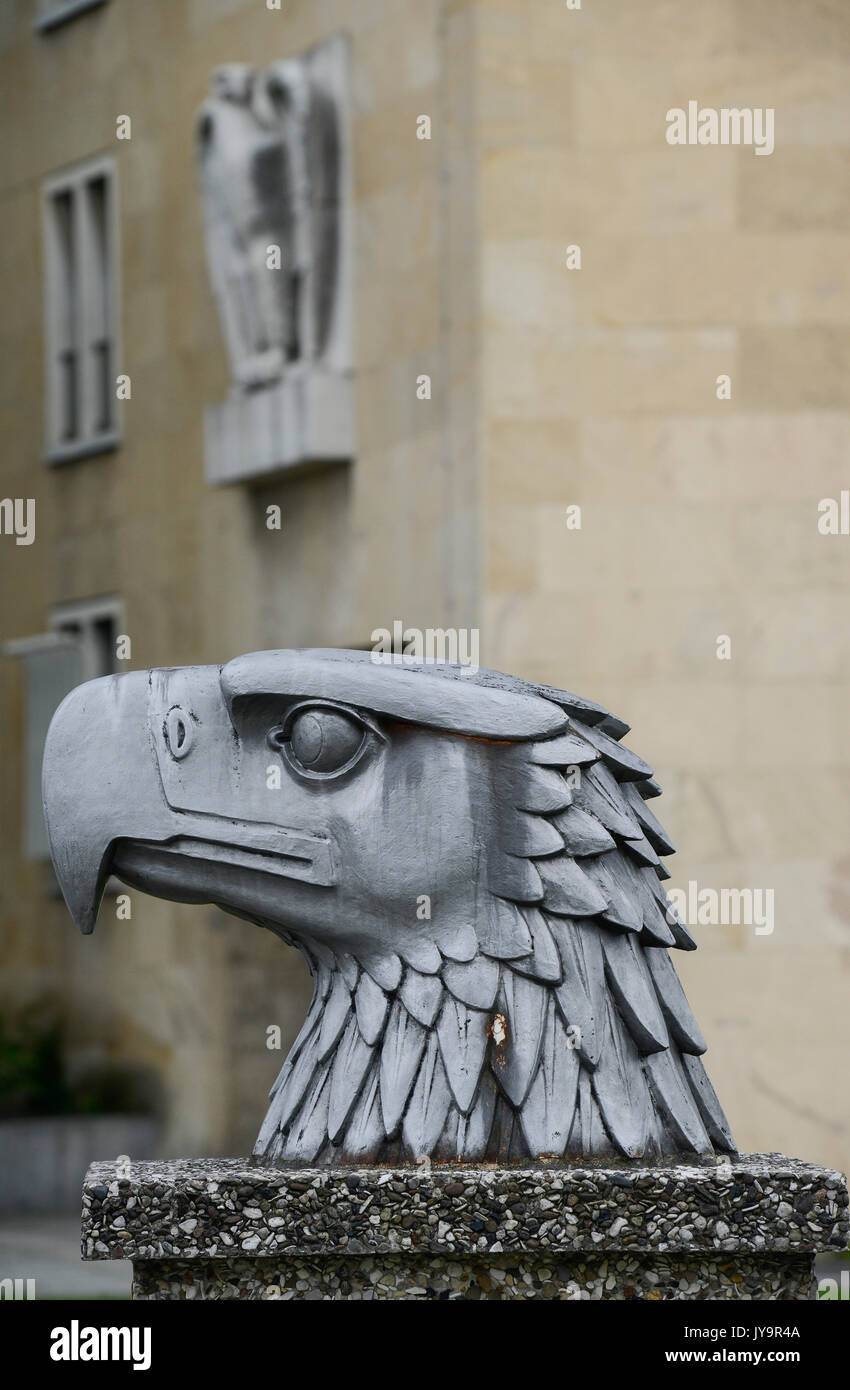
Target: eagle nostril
[179, 733]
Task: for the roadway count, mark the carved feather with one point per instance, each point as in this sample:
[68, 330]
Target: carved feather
[582, 833]
[543, 962]
[675, 1101]
[621, 1090]
[532, 788]
[564, 750]
[709, 1106]
[422, 996]
[309, 1130]
[334, 1016]
[350, 1065]
[547, 1114]
[588, 1136]
[463, 1036]
[569, 890]
[473, 982]
[599, 794]
[370, 1004]
[418, 951]
[632, 987]
[466, 1135]
[429, 1103]
[610, 874]
[674, 1004]
[504, 931]
[511, 876]
[521, 1003]
[348, 968]
[581, 996]
[365, 1133]
[623, 762]
[403, 1045]
[644, 853]
[656, 929]
[384, 967]
[668, 913]
[652, 828]
[291, 1093]
[528, 835]
[322, 983]
[456, 939]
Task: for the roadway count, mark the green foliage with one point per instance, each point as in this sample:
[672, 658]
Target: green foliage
[33, 1078]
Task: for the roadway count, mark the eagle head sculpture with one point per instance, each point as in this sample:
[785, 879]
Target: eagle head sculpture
[468, 864]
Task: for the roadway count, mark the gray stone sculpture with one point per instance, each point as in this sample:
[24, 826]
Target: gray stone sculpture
[468, 864]
[271, 151]
[268, 159]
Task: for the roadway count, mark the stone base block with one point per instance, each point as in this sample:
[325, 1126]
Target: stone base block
[749, 1229]
[620, 1277]
[303, 421]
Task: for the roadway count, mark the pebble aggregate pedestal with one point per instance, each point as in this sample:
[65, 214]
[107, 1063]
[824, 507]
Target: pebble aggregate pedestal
[223, 1228]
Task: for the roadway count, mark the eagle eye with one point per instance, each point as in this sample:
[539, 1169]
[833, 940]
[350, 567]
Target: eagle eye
[320, 740]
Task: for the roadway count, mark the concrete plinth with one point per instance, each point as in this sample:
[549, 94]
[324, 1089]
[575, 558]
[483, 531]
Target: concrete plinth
[222, 1228]
[302, 422]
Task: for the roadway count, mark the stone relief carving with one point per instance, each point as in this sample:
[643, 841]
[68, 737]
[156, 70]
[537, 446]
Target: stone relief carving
[470, 866]
[268, 158]
[271, 149]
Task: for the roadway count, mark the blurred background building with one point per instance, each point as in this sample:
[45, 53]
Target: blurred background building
[552, 386]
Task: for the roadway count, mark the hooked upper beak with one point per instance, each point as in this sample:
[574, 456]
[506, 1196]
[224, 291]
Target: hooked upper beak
[97, 785]
[106, 809]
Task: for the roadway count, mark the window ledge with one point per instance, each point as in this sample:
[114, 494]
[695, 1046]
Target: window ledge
[63, 12]
[81, 449]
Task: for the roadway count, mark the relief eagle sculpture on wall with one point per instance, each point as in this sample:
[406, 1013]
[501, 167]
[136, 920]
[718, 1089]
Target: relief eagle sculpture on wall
[268, 157]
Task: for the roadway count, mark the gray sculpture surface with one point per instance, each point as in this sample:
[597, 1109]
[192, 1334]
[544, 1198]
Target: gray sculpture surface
[468, 864]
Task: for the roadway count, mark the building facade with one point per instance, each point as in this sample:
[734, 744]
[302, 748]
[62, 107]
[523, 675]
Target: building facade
[598, 390]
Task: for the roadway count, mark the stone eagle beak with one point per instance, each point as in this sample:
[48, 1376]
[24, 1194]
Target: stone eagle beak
[98, 787]
[110, 808]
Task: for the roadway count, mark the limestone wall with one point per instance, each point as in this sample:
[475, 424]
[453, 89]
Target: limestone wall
[699, 515]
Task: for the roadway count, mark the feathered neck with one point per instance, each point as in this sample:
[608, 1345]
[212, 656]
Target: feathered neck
[543, 1019]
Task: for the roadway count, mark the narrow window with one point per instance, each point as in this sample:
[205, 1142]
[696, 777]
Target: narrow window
[81, 312]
